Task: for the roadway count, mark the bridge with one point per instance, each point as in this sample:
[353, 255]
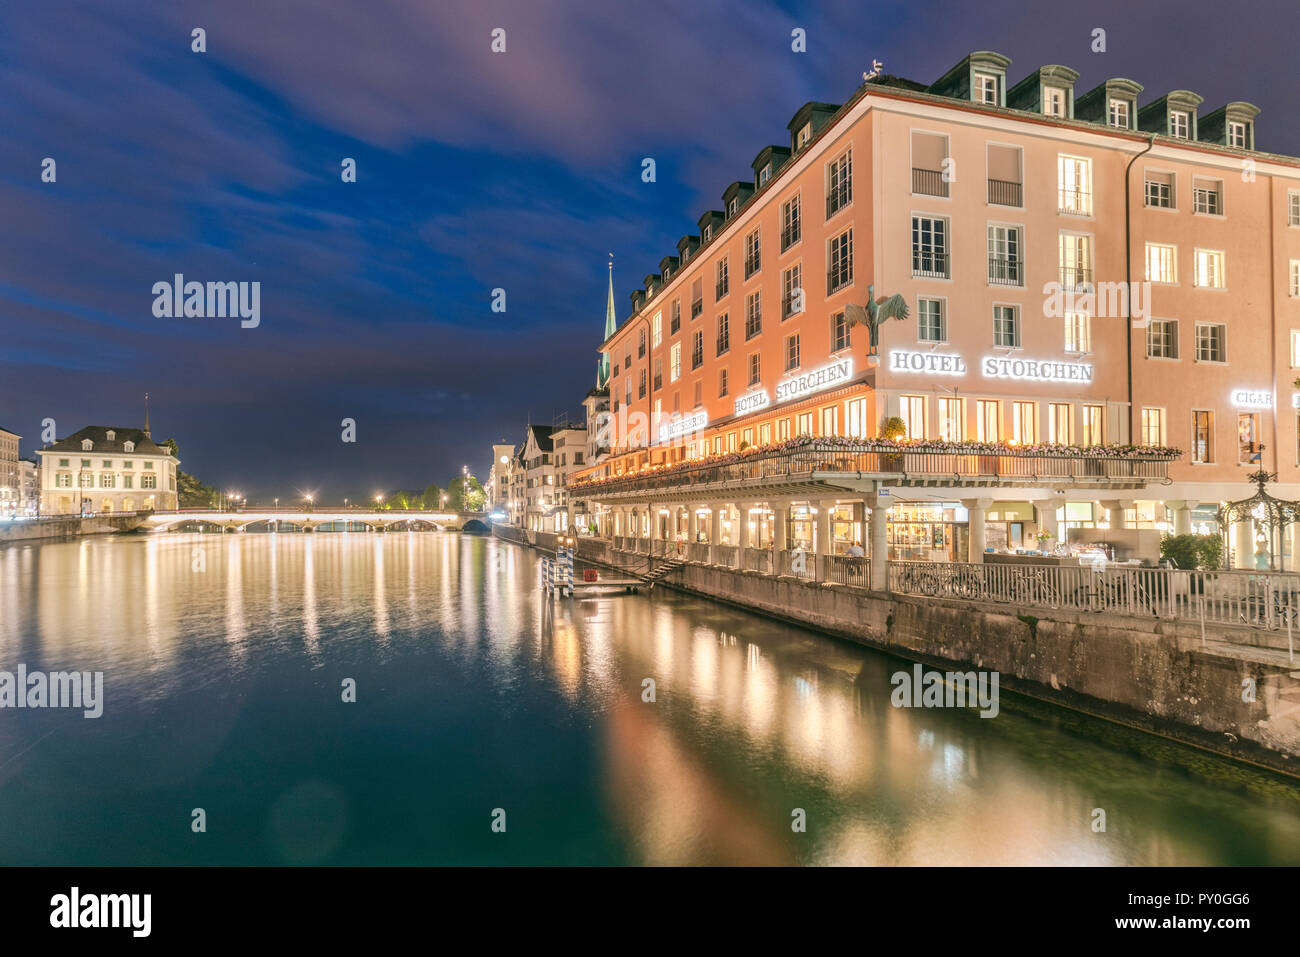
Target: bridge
[316, 520]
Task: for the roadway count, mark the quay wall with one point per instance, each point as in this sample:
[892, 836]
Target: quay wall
[68, 526]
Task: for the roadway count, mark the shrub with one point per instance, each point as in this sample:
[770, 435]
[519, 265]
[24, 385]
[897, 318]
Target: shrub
[894, 428]
[1192, 551]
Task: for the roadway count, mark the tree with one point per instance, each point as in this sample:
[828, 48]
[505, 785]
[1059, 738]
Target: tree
[432, 497]
[466, 494]
[190, 491]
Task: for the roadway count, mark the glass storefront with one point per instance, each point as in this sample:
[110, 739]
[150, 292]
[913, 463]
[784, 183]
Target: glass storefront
[936, 532]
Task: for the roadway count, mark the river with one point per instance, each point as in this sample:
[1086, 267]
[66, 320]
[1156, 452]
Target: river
[492, 725]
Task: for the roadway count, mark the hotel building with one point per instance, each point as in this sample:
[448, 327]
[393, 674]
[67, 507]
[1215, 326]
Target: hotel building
[11, 497]
[1080, 269]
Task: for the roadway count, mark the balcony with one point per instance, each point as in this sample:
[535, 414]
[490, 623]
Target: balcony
[1074, 202]
[1005, 271]
[929, 265]
[928, 182]
[837, 279]
[1004, 193]
[822, 465]
[837, 198]
[1076, 277]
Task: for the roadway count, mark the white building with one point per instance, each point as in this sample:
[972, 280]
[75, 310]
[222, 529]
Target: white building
[29, 483]
[10, 484]
[106, 469]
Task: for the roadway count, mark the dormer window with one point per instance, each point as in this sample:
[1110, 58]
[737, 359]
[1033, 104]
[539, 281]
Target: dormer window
[764, 175]
[1178, 124]
[804, 137]
[1237, 135]
[985, 89]
[111, 435]
[1053, 101]
[87, 445]
[128, 447]
[686, 254]
[708, 233]
[732, 207]
[1118, 114]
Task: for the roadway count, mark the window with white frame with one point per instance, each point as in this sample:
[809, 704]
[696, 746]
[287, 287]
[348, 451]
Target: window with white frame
[1005, 256]
[1058, 422]
[792, 295]
[1006, 326]
[1159, 189]
[856, 420]
[840, 258]
[656, 330]
[755, 369]
[1237, 134]
[675, 362]
[1024, 422]
[753, 253]
[1211, 342]
[985, 89]
[1295, 279]
[1179, 124]
[1078, 332]
[753, 315]
[1153, 427]
[792, 352]
[911, 409]
[764, 174]
[952, 426]
[1162, 339]
[1295, 348]
[1053, 101]
[1209, 269]
[831, 420]
[988, 420]
[1207, 196]
[1162, 262]
[1293, 207]
[1119, 113]
[839, 183]
[1202, 436]
[839, 332]
[1074, 185]
[1093, 419]
[930, 247]
[931, 322]
[723, 284]
[791, 228]
[1075, 251]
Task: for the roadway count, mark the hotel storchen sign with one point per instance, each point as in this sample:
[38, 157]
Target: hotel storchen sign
[934, 362]
[752, 400]
[815, 380]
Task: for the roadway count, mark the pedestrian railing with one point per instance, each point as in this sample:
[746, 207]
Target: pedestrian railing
[845, 570]
[758, 560]
[697, 551]
[725, 555]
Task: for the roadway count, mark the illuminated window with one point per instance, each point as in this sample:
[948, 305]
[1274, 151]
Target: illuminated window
[804, 423]
[951, 416]
[911, 409]
[1209, 269]
[1237, 135]
[675, 362]
[988, 420]
[1162, 262]
[856, 418]
[782, 430]
[1153, 427]
[831, 420]
[1058, 421]
[1053, 102]
[1093, 429]
[1024, 423]
[1119, 114]
[1078, 332]
[1202, 436]
[765, 433]
[1178, 124]
[1074, 185]
[656, 330]
[1249, 451]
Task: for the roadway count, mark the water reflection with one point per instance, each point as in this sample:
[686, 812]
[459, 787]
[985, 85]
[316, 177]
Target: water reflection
[223, 657]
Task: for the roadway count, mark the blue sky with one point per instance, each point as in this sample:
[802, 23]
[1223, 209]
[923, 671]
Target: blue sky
[476, 170]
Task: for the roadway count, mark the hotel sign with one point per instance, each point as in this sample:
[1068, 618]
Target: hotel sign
[831, 374]
[1252, 399]
[1036, 370]
[753, 400]
[683, 426]
[927, 362]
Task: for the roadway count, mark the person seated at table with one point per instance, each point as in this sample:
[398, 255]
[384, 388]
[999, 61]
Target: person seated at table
[856, 550]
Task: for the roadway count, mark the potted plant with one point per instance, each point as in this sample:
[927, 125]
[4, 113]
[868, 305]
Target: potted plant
[1044, 538]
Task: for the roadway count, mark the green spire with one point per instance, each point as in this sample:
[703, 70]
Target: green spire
[611, 324]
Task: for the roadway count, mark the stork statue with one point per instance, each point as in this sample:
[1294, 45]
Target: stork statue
[873, 315]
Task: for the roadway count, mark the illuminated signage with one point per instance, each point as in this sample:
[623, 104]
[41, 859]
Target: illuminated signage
[752, 401]
[683, 426]
[833, 373]
[1250, 399]
[927, 362]
[1036, 370]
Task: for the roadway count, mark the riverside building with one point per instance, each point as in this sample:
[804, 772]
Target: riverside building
[1102, 340]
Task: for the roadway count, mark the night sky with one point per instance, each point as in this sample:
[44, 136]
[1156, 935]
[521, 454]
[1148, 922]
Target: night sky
[475, 170]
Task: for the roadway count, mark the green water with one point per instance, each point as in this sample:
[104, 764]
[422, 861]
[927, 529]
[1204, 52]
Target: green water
[224, 660]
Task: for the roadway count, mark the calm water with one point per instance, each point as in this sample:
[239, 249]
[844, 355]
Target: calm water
[223, 673]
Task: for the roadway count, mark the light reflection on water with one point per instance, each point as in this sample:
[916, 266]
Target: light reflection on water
[224, 658]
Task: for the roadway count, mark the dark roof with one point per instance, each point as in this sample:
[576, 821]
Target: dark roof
[542, 436]
[98, 434]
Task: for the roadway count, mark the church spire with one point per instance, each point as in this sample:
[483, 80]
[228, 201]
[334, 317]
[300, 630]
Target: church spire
[146, 415]
[611, 324]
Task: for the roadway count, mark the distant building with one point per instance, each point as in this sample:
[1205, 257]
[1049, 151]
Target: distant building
[539, 478]
[29, 483]
[518, 487]
[10, 487]
[106, 469]
[569, 444]
[498, 484]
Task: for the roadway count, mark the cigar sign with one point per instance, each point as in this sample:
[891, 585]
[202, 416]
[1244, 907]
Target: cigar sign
[823, 377]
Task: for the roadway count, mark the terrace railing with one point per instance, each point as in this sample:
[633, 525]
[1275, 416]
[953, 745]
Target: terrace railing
[891, 460]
